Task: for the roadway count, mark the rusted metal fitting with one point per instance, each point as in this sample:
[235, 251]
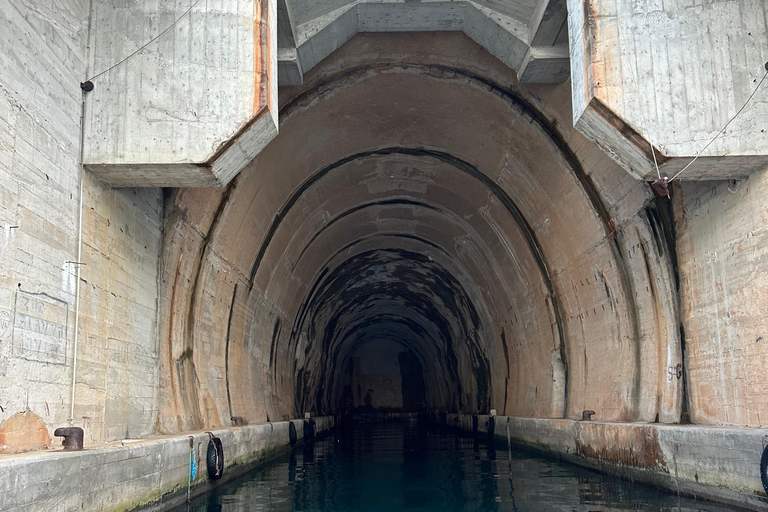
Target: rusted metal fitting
[587, 415]
[238, 421]
[73, 438]
[661, 186]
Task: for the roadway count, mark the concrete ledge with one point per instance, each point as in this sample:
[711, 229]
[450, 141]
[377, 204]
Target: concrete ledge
[720, 464]
[147, 474]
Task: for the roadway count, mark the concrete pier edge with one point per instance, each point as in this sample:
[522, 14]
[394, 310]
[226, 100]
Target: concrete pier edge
[720, 464]
[142, 474]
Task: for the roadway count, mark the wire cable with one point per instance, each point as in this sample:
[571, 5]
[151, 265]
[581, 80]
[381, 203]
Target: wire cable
[158, 36]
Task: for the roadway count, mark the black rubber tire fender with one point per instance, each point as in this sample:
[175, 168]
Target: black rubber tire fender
[215, 458]
[292, 437]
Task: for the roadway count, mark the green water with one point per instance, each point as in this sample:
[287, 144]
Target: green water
[399, 466]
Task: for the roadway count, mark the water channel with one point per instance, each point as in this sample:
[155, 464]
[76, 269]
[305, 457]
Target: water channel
[406, 466]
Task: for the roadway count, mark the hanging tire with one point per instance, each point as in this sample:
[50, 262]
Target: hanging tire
[292, 437]
[215, 457]
[764, 469]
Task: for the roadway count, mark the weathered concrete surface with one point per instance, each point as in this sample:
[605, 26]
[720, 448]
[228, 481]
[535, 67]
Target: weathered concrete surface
[722, 464]
[149, 474]
[671, 74]
[523, 268]
[572, 302]
[39, 214]
[722, 241]
[194, 106]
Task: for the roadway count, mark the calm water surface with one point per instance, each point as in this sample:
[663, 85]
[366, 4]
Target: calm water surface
[399, 466]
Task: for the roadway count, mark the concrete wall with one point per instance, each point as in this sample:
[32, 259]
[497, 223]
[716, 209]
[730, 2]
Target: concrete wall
[721, 464]
[551, 271]
[376, 378]
[722, 239]
[40, 110]
[150, 473]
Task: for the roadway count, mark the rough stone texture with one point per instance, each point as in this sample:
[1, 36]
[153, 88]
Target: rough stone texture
[23, 432]
[713, 463]
[671, 74]
[149, 472]
[191, 108]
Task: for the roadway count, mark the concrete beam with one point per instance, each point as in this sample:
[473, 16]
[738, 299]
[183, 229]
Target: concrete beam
[289, 70]
[503, 36]
[322, 36]
[285, 36]
[671, 77]
[186, 109]
[545, 65]
[411, 17]
[496, 29]
[549, 21]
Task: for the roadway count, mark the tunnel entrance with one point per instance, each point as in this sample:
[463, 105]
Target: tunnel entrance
[386, 330]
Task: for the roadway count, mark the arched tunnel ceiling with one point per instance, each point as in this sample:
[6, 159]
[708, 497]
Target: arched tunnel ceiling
[431, 202]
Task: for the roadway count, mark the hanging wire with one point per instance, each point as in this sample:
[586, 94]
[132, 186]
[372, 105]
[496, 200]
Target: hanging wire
[158, 36]
[726, 125]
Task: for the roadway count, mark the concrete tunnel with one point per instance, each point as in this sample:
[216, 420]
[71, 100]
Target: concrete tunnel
[381, 207]
[431, 206]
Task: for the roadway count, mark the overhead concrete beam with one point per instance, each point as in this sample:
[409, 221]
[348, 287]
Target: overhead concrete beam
[289, 70]
[503, 36]
[411, 17]
[671, 78]
[499, 30]
[545, 65]
[185, 109]
[550, 19]
[285, 36]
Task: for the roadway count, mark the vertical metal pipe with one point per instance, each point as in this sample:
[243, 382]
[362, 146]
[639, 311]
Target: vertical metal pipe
[78, 261]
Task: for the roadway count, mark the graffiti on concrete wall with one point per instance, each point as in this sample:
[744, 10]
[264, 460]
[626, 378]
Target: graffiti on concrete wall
[675, 371]
[40, 325]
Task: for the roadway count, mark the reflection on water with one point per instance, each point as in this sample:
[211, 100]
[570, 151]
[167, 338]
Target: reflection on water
[402, 466]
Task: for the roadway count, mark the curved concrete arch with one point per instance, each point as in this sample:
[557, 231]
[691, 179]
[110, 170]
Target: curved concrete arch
[493, 277]
[587, 241]
[396, 284]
